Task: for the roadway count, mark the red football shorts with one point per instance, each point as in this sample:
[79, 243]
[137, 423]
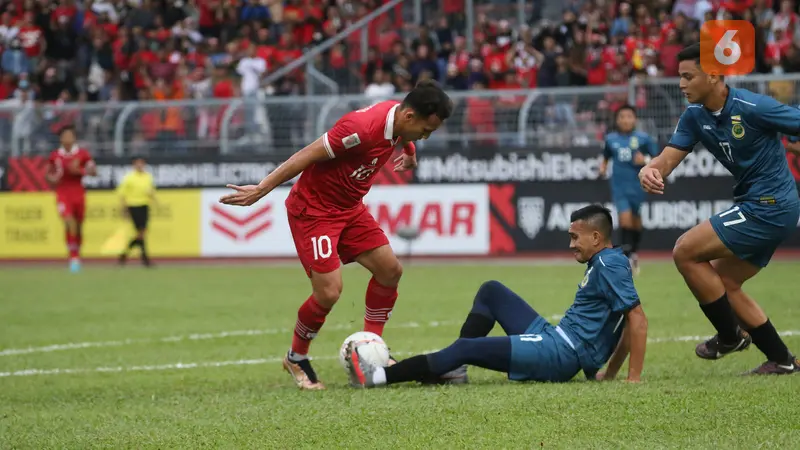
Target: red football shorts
[323, 241]
[71, 205]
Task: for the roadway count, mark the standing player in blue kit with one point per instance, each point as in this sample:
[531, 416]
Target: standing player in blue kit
[742, 130]
[629, 150]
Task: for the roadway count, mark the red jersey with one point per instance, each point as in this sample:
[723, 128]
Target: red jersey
[31, 38]
[359, 144]
[60, 160]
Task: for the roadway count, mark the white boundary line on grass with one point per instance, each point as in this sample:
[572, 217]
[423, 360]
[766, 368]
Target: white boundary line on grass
[207, 336]
[252, 362]
[175, 366]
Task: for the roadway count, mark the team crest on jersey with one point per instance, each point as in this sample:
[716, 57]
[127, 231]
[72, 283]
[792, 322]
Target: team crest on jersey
[585, 280]
[530, 215]
[351, 141]
[634, 143]
[737, 130]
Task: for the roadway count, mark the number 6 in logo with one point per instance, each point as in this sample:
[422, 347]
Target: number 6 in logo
[727, 47]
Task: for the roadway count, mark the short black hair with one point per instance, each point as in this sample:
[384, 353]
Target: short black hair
[66, 128]
[624, 107]
[690, 53]
[428, 98]
[597, 216]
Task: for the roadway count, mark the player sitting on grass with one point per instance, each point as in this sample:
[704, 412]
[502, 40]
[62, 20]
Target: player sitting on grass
[606, 315]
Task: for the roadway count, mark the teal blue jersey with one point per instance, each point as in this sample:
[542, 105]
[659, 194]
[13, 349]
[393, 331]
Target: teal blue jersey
[620, 148]
[596, 319]
[745, 137]
[792, 138]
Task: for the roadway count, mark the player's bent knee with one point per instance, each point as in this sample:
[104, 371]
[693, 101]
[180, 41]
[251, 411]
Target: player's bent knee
[327, 289]
[682, 252]
[488, 289]
[390, 276]
[327, 295]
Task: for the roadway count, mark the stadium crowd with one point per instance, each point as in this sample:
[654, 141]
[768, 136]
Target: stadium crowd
[99, 50]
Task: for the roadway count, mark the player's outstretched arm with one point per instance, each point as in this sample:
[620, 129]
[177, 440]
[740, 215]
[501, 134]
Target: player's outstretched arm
[776, 116]
[653, 174]
[292, 167]
[297, 163]
[90, 169]
[637, 331]
[53, 175]
[618, 358]
[667, 160]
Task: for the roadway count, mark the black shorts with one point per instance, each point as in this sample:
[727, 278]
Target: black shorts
[139, 216]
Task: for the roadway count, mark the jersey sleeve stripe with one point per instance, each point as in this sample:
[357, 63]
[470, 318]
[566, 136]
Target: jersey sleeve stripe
[680, 147]
[327, 145]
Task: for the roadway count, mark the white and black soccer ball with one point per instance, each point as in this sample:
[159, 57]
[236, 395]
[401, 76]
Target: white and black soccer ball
[371, 349]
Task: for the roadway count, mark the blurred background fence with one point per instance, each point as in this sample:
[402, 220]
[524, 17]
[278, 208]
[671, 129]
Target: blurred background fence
[548, 117]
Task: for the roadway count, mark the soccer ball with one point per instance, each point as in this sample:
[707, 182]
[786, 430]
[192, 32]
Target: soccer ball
[371, 348]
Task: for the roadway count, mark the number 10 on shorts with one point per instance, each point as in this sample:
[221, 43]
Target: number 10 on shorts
[727, 47]
[322, 247]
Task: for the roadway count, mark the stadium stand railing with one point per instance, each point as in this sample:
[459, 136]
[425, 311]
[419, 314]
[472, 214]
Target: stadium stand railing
[555, 118]
[360, 33]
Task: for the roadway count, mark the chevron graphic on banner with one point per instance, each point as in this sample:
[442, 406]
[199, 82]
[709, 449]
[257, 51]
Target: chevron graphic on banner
[241, 228]
[26, 174]
[502, 219]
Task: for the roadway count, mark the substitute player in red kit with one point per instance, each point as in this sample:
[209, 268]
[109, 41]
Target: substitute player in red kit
[67, 166]
[328, 219]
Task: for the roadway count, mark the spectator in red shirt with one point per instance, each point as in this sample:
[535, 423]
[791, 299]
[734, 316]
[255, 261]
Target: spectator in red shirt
[669, 54]
[31, 37]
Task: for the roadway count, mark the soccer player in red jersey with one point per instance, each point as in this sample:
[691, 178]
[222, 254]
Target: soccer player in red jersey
[328, 219]
[67, 166]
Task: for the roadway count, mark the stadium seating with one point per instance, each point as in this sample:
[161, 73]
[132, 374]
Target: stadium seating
[84, 58]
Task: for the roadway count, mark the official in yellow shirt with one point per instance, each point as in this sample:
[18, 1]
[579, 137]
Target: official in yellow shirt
[136, 192]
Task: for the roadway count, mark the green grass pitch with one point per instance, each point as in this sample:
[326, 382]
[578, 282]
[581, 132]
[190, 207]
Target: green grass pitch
[188, 357]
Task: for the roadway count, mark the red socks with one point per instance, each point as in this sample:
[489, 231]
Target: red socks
[311, 315]
[380, 302]
[73, 245]
[310, 318]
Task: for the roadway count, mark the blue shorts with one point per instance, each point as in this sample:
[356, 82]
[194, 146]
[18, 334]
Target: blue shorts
[627, 201]
[753, 231]
[541, 354]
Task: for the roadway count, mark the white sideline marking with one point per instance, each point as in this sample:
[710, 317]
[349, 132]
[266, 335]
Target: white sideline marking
[206, 336]
[175, 366]
[251, 362]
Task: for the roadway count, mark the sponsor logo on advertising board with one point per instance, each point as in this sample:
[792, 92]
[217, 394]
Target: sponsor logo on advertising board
[258, 230]
[571, 164]
[241, 227]
[448, 220]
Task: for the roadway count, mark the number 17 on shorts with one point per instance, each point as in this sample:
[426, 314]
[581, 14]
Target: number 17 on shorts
[727, 47]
